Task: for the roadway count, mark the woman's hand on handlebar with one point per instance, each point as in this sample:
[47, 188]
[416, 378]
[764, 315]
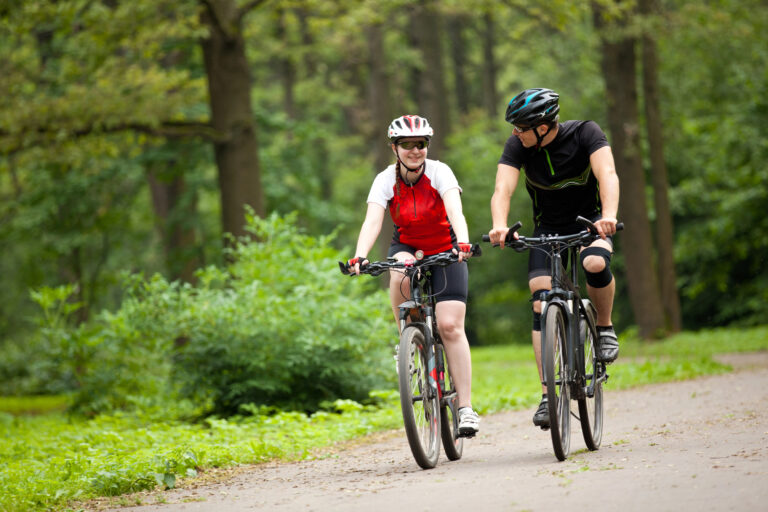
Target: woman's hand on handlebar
[464, 251]
[356, 263]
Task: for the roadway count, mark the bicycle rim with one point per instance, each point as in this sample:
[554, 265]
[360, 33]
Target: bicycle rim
[449, 417]
[591, 407]
[555, 372]
[418, 400]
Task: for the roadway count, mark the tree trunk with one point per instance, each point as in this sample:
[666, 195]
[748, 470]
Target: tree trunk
[459, 58]
[381, 115]
[620, 79]
[433, 101]
[490, 94]
[284, 65]
[174, 213]
[664, 226]
[229, 87]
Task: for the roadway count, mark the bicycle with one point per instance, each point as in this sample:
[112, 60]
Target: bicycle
[571, 370]
[428, 396]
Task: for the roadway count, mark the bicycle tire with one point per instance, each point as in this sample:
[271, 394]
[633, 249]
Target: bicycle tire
[554, 356]
[418, 400]
[591, 407]
[453, 445]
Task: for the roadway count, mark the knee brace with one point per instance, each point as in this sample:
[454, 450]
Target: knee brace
[537, 295]
[604, 277]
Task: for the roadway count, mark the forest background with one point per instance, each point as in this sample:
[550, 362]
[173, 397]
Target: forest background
[139, 141]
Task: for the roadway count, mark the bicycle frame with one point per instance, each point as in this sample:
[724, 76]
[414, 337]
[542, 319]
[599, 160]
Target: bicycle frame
[564, 293]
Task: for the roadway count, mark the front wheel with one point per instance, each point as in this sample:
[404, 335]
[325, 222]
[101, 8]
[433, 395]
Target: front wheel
[555, 362]
[591, 406]
[419, 399]
[449, 406]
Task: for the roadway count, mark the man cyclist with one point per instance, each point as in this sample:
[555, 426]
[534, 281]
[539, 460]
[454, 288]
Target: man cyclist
[424, 200]
[569, 172]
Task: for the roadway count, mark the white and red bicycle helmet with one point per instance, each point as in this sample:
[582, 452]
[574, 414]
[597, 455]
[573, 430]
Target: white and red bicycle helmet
[409, 126]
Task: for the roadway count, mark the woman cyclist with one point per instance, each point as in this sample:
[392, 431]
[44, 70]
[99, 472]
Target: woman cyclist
[424, 200]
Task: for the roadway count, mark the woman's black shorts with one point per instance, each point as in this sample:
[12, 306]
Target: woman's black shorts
[448, 283]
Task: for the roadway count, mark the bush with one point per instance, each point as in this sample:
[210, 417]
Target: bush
[278, 326]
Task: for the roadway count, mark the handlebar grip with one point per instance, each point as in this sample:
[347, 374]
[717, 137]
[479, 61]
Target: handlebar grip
[620, 226]
[486, 238]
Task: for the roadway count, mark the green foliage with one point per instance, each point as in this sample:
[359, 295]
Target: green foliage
[278, 326]
[49, 460]
[283, 328]
[717, 156]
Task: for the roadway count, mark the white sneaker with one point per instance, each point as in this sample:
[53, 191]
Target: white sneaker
[469, 422]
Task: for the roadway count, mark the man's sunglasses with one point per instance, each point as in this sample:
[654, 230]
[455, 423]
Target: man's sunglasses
[521, 129]
[410, 144]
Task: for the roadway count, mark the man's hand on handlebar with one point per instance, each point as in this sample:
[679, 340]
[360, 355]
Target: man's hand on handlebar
[501, 236]
[606, 226]
[498, 235]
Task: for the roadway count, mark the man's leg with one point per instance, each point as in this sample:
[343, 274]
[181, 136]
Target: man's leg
[538, 284]
[601, 287]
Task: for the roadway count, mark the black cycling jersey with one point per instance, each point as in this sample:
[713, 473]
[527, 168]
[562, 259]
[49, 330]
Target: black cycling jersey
[559, 176]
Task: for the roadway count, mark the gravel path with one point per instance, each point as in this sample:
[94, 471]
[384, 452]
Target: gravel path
[696, 445]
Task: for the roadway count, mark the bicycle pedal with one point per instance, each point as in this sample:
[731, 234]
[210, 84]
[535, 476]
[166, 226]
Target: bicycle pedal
[467, 435]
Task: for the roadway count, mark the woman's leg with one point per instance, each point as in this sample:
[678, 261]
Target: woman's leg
[450, 324]
[399, 287]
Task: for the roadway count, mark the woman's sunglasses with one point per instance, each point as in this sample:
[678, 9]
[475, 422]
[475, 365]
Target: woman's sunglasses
[410, 144]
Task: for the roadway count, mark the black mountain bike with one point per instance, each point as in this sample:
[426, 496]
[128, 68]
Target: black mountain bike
[569, 337]
[428, 396]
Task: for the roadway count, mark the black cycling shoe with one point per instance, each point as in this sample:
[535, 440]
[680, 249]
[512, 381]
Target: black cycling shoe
[541, 417]
[608, 345]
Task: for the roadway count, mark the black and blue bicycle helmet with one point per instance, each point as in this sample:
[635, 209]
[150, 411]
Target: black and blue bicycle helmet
[533, 107]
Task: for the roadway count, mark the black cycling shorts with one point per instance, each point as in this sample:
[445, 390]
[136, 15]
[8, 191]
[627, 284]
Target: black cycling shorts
[539, 262]
[448, 283]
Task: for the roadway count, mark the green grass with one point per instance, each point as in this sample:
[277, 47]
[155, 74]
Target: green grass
[18, 405]
[48, 460]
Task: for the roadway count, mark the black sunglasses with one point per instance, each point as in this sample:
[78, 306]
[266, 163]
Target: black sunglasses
[410, 144]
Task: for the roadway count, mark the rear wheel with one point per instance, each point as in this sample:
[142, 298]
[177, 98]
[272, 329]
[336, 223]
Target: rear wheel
[449, 416]
[418, 399]
[591, 406]
[554, 356]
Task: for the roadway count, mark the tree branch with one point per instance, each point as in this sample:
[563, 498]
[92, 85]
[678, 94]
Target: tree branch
[245, 9]
[169, 129]
[216, 19]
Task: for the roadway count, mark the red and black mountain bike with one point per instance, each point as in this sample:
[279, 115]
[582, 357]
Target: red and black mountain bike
[428, 396]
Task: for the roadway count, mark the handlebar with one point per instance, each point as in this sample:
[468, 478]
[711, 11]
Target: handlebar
[375, 268]
[581, 238]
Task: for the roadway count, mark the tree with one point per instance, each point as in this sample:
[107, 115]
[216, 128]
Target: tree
[618, 66]
[433, 97]
[229, 88]
[654, 130]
